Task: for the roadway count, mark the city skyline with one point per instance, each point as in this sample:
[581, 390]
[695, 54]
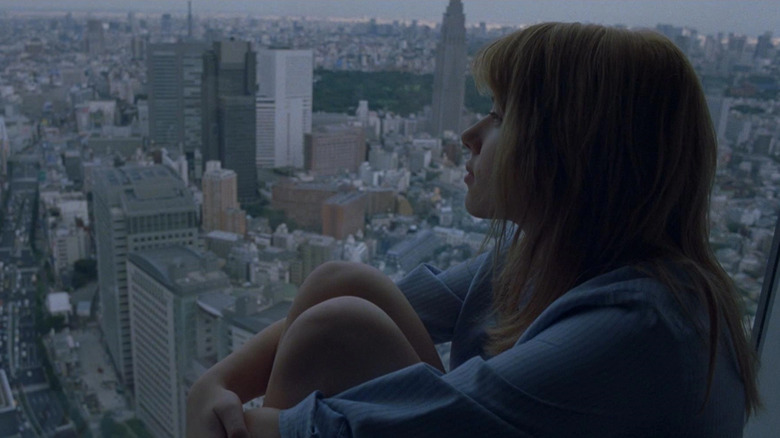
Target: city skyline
[106, 124]
[751, 17]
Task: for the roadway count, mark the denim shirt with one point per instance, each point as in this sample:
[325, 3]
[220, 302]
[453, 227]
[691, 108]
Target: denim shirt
[612, 357]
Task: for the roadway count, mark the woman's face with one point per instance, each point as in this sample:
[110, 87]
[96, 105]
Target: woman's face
[482, 140]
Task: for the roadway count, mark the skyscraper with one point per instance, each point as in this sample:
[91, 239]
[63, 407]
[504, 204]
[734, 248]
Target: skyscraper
[5, 151]
[95, 40]
[164, 285]
[135, 208]
[449, 78]
[174, 72]
[229, 85]
[221, 210]
[189, 20]
[284, 105]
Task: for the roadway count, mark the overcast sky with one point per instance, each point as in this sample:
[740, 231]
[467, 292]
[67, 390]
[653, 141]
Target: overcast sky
[751, 17]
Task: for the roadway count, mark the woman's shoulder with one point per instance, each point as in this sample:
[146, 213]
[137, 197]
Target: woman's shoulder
[635, 296]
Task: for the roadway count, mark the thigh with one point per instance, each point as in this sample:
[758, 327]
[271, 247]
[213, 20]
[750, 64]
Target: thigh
[339, 279]
[333, 346]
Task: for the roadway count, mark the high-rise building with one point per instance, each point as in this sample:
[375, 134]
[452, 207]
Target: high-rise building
[135, 208]
[229, 115]
[95, 40]
[221, 210]
[331, 150]
[164, 285]
[449, 78]
[763, 45]
[138, 47]
[174, 74]
[166, 25]
[189, 20]
[5, 150]
[284, 105]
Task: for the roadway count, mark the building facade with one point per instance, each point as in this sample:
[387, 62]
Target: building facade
[135, 208]
[284, 106]
[95, 38]
[174, 74]
[164, 285]
[302, 202]
[221, 210]
[331, 150]
[344, 214]
[229, 113]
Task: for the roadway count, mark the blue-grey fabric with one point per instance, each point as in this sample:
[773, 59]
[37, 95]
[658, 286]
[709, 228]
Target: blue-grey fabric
[614, 357]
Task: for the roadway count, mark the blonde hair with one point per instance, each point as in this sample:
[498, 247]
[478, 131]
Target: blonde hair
[606, 158]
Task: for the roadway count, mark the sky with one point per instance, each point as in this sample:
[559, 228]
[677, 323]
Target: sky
[750, 17]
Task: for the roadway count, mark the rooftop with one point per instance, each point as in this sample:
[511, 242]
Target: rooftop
[58, 302]
[181, 270]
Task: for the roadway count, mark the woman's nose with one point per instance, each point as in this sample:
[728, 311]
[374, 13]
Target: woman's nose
[471, 138]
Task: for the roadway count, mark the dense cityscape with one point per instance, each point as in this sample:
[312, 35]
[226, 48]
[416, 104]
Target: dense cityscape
[169, 180]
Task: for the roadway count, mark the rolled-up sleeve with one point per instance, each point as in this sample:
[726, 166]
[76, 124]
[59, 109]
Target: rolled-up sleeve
[437, 296]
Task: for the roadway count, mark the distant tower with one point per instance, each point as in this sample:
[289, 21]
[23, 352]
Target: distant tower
[449, 79]
[135, 208]
[166, 25]
[96, 42]
[764, 45]
[284, 105]
[229, 113]
[5, 153]
[189, 20]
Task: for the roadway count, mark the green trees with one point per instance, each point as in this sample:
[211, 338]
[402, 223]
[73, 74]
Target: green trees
[399, 92]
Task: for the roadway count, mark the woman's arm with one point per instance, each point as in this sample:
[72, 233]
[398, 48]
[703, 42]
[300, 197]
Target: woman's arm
[215, 401]
[246, 370]
[216, 398]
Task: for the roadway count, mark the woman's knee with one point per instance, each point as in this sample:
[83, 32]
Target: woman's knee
[335, 345]
[341, 275]
[336, 279]
[343, 320]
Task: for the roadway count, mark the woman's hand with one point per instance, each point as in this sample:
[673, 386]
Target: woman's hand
[213, 411]
[263, 422]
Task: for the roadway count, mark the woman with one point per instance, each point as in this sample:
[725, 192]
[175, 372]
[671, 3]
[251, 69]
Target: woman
[601, 312]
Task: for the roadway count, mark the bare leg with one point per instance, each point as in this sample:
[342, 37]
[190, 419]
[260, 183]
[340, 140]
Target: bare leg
[333, 346]
[247, 371]
[336, 279]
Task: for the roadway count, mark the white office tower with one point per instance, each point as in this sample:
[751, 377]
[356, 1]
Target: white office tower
[164, 285]
[284, 103]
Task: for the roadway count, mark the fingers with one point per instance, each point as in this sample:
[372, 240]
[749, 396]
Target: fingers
[213, 411]
[230, 412]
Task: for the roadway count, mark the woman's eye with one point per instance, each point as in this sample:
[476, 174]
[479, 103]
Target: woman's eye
[495, 117]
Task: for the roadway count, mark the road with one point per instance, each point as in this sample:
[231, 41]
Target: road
[37, 411]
